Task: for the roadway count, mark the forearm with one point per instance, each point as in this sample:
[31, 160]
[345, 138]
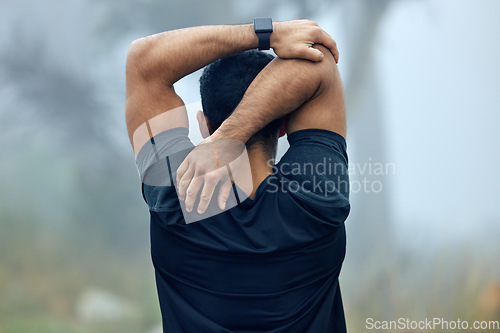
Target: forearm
[280, 88]
[172, 55]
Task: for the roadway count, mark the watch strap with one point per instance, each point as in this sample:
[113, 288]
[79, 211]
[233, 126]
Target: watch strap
[263, 27]
[264, 40]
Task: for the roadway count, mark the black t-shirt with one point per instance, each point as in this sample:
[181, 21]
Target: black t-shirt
[268, 264]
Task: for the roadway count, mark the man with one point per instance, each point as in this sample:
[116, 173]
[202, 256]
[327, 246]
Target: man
[269, 262]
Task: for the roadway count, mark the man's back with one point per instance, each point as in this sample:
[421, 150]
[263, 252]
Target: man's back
[270, 263]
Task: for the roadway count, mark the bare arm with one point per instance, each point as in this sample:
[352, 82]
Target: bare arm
[156, 62]
[310, 92]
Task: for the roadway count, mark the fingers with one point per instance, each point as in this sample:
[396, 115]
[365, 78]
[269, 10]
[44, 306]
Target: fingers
[224, 190]
[183, 182]
[320, 36]
[181, 170]
[312, 54]
[192, 192]
[210, 181]
[330, 43]
[300, 36]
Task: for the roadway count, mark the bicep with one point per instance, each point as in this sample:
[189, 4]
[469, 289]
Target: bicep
[326, 109]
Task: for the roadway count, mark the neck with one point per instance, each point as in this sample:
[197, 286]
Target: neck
[259, 164]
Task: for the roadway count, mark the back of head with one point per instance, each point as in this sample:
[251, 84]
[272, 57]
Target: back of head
[222, 86]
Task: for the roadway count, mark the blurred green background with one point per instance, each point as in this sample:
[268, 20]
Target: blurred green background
[421, 80]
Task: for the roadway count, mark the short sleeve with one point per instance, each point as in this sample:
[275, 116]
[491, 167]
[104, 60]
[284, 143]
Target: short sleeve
[315, 169]
[157, 162]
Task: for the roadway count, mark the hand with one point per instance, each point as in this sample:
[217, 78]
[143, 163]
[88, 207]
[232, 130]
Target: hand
[213, 161]
[294, 39]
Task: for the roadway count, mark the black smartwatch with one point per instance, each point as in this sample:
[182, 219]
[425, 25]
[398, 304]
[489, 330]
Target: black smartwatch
[263, 27]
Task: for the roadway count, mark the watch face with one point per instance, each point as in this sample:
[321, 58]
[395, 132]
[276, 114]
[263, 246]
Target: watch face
[263, 24]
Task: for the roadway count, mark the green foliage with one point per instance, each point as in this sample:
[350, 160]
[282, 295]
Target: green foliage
[42, 275]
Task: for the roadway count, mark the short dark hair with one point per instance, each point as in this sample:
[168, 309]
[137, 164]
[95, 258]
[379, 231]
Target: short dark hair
[222, 86]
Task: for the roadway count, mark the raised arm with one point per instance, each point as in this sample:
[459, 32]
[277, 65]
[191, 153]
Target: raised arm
[156, 62]
[309, 92]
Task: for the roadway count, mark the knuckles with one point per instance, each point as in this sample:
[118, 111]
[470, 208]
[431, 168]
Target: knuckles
[311, 22]
[211, 178]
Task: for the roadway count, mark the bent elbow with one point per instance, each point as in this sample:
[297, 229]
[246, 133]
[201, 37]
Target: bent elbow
[135, 51]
